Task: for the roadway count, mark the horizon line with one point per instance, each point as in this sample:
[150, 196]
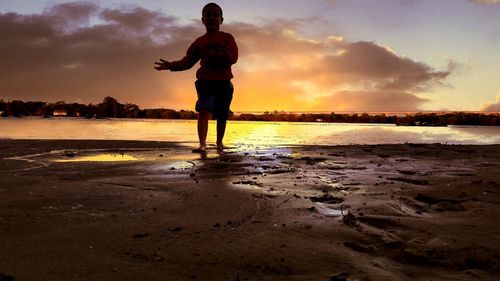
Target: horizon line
[306, 111]
[358, 111]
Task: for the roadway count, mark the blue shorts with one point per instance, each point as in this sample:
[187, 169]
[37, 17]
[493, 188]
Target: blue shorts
[214, 96]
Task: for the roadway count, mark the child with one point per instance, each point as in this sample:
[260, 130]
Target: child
[217, 51]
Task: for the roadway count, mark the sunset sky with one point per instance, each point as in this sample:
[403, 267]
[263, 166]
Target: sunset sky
[295, 55]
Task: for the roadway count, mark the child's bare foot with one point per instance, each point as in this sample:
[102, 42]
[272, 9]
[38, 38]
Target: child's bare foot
[200, 149]
[221, 146]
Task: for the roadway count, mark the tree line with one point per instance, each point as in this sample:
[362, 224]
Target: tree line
[111, 108]
[108, 108]
[417, 119]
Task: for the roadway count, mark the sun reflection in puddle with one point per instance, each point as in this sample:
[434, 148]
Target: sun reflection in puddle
[100, 158]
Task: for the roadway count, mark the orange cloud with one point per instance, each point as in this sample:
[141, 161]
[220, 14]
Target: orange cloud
[327, 74]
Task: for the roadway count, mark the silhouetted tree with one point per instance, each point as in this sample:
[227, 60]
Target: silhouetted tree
[130, 111]
[3, 105]
[16, 108]
[109, 107]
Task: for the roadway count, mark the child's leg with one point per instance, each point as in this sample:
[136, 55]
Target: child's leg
[221, 110]
[221, 129]
[203, 118]
[204, 106]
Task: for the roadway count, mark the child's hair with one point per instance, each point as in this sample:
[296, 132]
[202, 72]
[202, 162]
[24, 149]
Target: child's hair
[211, 4]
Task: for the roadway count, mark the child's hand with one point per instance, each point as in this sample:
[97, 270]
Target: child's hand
[162, 65]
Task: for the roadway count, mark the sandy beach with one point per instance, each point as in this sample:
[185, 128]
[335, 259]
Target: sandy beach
[129, 210]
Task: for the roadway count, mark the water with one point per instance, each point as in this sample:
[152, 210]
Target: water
[243, 132]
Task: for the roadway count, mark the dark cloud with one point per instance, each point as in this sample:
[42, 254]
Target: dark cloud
[72, 12]
[80, 52]
[57, 55]
[138, 18]
[366, 61]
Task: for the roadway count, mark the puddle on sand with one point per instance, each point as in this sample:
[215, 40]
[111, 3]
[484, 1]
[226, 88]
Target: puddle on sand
[100, 158]
[330, 210]
[181, 165]
[192, 156]
[183, 161]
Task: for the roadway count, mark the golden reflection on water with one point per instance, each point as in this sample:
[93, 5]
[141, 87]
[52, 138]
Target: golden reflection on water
[262, 134]
[273, 133]
[283, 133]
[250, 133]
[100, 158]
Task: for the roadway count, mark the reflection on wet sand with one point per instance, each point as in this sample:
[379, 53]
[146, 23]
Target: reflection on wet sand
[99, 158]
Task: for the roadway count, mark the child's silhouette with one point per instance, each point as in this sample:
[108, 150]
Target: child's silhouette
[217, 51]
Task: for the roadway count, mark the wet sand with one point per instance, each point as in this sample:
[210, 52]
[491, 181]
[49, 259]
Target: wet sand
[371, 212]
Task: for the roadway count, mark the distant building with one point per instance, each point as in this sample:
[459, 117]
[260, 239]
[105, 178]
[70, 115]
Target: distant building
[60, 112]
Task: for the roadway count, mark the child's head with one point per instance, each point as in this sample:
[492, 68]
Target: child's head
[212, 16]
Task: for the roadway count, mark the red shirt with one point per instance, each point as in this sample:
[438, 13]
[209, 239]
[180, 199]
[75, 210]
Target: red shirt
[217, 51]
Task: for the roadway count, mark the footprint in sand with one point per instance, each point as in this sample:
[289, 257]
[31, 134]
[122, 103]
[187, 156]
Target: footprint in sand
[441, 204]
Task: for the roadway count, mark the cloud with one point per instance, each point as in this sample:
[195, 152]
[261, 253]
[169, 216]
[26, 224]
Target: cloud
[76, 12]
[57, 55]
[407, 3]
[367, 62]
[375, 101]
[79, 51]
[138, 18]
[492, 106]
[486, 1]
[329, 74]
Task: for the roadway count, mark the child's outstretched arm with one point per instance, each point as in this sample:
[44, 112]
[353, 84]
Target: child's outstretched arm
[191, 58]
[188, 61]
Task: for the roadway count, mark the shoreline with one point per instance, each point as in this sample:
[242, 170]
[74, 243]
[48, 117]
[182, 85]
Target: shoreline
[417, 211]
[325, 123]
